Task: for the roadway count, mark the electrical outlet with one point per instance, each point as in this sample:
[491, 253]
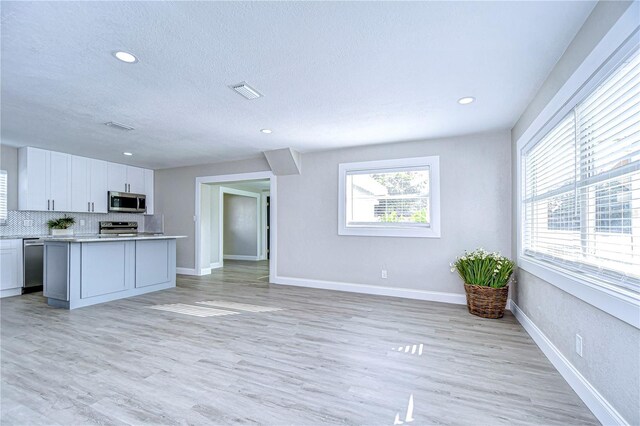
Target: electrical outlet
[28, 222]
[82, 222]
[579, 344]
[383, 274]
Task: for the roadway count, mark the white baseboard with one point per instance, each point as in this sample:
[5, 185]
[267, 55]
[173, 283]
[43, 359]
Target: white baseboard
[600, 407]
[239, 257]
[216, 265]
[186, 271]
[11, 292]
[192, 271]
[407, 293]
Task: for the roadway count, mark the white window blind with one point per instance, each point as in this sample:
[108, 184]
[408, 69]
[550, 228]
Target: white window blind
[3, 196]
[581, 185]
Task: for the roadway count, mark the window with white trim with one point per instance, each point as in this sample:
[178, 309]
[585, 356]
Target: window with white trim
[394, 198]
[3, 197]
[581, 186]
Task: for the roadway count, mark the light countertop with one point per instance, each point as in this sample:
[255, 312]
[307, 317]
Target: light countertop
[106, 238]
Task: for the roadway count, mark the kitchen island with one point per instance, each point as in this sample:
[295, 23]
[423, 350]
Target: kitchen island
[86, 270]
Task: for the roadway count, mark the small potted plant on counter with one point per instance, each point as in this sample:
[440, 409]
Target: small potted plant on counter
[61, 226]
[486, 281]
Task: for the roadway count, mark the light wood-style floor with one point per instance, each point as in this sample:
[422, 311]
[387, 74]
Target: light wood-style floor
[326, 358]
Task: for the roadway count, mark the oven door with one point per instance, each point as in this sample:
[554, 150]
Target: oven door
[123, 202]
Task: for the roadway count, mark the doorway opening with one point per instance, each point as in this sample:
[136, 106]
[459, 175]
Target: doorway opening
[234, 227]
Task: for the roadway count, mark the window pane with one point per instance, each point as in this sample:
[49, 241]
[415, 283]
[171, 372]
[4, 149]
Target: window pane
[400, 197]
[581, 204]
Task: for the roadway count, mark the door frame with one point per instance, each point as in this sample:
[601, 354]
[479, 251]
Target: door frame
[222, 179]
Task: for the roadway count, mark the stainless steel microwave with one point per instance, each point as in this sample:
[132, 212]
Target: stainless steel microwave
[127, 202]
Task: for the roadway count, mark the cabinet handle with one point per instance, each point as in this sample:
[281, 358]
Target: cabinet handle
[53, 205]
[48, 204]
[88, 206]
[93, 207]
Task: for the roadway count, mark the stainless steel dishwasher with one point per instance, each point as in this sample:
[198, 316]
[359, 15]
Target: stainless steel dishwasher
[33, 264]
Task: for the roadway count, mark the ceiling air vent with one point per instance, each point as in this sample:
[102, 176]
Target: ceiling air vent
[117, 125]
[245, 90]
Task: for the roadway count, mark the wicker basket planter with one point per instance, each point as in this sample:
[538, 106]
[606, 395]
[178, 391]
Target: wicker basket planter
[486, 302]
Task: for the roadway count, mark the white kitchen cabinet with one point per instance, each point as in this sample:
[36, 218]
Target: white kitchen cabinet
[33, 180]
[148, 189]
[59, 181]
[135, 180]
[11, 278]
[80, 182]
[126, 178]
[52, 181]
[44, 180]
[117, 177]
[98, 172]
[88, 185]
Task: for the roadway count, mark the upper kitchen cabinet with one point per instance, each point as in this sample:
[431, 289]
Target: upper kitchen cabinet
[117, 177]
[98, 174]
[44, 180]
[88, 185]
[148, 189]
[52, 181]
[135, 180]
[126, 178]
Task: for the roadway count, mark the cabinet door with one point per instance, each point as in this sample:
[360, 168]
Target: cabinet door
[80, 201]
[32, 179]
[116, 177]
[135, 179]
[59, 172]
[10, 264]
[148, 189]
[98, 171]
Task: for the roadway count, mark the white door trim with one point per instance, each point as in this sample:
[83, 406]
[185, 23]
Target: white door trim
[221, 179]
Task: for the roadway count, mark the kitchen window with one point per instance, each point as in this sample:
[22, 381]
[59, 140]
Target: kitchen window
[581, 186]
[392, 198]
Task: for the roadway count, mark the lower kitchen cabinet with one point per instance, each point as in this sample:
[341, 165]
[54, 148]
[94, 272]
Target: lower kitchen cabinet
[11, 277]
[86, 271]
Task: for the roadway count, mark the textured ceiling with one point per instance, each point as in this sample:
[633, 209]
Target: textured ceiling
[333, 74]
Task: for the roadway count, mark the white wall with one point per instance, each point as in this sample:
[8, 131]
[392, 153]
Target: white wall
[611, 357]
[175, 198]
[475, 177]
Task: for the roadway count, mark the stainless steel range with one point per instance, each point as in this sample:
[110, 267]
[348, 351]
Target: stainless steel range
[121, 229]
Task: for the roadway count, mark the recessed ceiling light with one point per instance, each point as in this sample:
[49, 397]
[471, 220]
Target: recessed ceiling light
[466, 100]
[267, 131]
[125, 57]
[127, 154]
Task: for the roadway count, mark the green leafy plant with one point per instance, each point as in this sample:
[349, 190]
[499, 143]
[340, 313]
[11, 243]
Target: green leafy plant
[61, 223]
[390, 217]
[482, 268]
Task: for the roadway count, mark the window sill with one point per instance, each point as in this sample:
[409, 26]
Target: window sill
[374, 231]
[622, 306]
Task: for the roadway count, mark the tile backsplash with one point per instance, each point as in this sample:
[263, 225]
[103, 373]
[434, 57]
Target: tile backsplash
[15, 222]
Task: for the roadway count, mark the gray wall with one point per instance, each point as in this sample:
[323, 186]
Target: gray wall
[611, 358]
[9, 162]
[175, 198]
[475, 176]
[240, 225]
